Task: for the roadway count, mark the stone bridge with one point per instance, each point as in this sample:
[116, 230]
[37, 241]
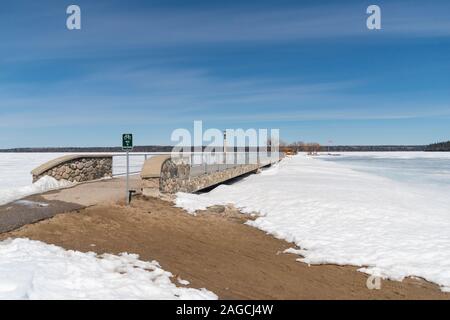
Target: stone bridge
[159, 174]
[177, 175]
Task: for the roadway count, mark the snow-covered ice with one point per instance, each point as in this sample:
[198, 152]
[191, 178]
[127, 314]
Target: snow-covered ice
[35, 270]
[338, 215]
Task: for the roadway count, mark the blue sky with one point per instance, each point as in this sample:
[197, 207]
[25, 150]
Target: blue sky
[310, 68]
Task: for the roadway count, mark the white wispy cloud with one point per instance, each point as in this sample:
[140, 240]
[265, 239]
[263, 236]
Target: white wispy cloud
[106, 29]
[173, 96]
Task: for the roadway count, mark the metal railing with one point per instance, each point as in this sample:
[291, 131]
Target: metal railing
[204, 162]
[136, 162]
[200, 162]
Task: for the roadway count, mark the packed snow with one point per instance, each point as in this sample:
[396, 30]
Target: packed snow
[35, 270]
[338, 215]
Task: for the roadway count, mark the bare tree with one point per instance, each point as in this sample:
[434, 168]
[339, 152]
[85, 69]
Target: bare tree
[297, 146]
[312, 148]
[315, 148]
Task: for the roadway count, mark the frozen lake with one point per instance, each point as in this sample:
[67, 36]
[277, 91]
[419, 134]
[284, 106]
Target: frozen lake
[388, 213]
[430, 170]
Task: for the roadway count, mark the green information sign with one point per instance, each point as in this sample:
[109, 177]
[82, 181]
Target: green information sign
[127, 141]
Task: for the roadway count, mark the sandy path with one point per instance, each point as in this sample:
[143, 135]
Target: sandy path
[215, 251]
[39, 207]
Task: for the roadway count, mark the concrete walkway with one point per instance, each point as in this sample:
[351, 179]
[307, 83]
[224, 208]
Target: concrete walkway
[97, 192]
[39, 207]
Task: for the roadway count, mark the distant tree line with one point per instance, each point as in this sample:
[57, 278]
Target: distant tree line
[313, 147]
[298, 146]
[374, 148]
[441, 146]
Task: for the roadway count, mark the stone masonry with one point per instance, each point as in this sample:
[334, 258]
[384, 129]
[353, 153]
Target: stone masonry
[176, 177]
[78, 168]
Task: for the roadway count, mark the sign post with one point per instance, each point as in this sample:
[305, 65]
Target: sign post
[127, 145]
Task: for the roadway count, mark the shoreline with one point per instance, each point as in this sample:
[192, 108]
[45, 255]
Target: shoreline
[343, 216]
[214, 249]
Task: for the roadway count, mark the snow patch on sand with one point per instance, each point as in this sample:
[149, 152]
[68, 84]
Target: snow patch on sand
[337, 215]
[183, 282]
[42, 185]
[35, 270]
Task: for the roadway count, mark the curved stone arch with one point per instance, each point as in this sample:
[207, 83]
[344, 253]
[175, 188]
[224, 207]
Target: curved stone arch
[175, 176]
[76, 168]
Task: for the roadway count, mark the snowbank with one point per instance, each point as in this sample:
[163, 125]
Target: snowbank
[42, 185]
[341, 216]
[35, 270]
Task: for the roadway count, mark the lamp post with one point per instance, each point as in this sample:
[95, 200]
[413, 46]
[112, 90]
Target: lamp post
[224, 146]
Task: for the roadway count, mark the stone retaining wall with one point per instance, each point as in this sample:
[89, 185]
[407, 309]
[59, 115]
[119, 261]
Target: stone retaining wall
[76, 168]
